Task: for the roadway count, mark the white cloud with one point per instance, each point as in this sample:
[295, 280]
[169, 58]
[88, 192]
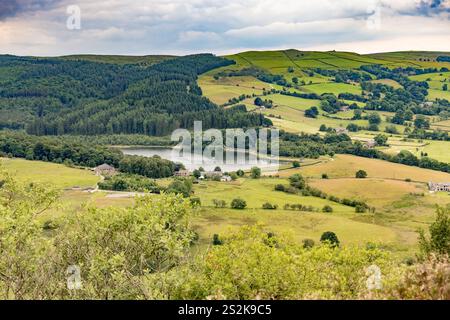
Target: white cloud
[186, 26]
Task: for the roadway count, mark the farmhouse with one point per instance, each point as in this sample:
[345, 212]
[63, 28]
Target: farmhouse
[182, 173]
[105, 170]
[439, 186]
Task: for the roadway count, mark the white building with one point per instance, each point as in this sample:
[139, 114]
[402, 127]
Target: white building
[438, 186]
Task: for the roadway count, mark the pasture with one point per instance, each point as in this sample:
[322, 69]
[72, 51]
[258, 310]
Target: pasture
[48, 173]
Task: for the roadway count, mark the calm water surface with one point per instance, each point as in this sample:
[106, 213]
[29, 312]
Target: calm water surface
[209, 163]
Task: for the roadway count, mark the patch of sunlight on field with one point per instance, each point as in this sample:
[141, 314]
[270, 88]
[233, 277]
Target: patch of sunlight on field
[300, 225]
[293, 102]
[256, 192]
[58, 175]
[376, 192]
[441, 125]
[332, 87]
[434, 94]
[221, 91]
[345, 166]
[292, 126]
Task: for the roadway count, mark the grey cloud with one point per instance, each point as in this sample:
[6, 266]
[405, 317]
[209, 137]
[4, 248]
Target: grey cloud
[12, 8]
[432, 7]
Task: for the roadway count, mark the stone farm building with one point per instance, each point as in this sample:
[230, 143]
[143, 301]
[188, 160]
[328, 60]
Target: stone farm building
[105, 170]
[212, 174]
[182, 173]
[439, 186]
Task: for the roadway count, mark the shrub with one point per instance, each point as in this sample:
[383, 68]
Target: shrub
[361, 174]
[428, 280]
[327, 208]
[240, 173]
[196, 173]
[330, 238]
[438, 241]
[360, 209]
[297, 181]
[324, 176]
[291, 190]
[391, 129]
[238, 203]
[269, 206]
[381, 139]
[296, 164]
[181, 186]
[49, 225]
[255, 173]
[219, 203]
[216, 240]
[279, 187]
[308, 243]
[195, 201]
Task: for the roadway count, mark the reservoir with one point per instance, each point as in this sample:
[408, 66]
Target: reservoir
[208, 163]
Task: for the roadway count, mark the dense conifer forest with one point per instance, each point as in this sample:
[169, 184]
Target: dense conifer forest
[56, 96]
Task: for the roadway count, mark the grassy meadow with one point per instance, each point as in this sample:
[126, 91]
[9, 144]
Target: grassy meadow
[401, 206]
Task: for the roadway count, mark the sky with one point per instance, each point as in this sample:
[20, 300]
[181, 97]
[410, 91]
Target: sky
[143, 27]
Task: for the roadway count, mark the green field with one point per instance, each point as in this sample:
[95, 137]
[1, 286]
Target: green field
[49, 173]
[332, 87]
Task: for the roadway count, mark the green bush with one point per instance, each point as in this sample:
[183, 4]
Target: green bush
[238, 203]
[269, 206]
[219, 203]
[330, 238]
[216, 240]
[255, 173]
[361, 174]
[308, 243]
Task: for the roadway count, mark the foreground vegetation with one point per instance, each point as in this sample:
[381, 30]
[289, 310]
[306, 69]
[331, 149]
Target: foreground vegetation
[143, 252]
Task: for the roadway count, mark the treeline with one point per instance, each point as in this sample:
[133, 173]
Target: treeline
[21, 145]
[129, 182]
[258, 73]
[344, 75]
[443, 59]
[429, 135]
[58, 150]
